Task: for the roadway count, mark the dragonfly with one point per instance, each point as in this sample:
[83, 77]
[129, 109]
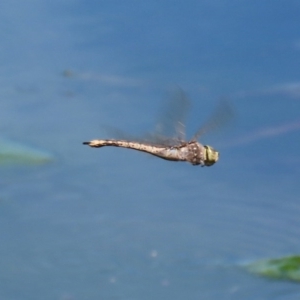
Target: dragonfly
[175, 147]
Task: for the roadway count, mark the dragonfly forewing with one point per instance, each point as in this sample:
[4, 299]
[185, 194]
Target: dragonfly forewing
[220, 117]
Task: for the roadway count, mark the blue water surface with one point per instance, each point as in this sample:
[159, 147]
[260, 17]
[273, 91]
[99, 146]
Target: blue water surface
[117, 224]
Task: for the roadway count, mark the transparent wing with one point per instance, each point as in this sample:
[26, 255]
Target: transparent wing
[221, 116]
[171, 125]
[170, 128]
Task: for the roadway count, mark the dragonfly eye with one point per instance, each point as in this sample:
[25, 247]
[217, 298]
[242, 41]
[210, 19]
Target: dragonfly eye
[211, 157]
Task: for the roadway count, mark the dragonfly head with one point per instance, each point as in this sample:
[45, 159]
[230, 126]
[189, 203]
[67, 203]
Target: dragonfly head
[211, 156]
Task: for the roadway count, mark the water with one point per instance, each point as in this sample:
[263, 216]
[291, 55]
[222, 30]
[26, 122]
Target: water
[118, 224]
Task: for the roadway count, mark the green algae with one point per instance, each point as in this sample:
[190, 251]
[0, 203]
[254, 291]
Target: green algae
[16, 153]
[285, 268]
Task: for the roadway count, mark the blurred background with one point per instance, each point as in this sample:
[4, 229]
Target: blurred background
[81, 223]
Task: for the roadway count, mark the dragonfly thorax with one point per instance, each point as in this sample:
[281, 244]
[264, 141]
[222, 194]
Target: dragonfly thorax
[211, 156]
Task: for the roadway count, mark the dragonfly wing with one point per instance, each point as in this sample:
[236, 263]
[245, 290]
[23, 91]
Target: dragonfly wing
[172, 122]
[222, 115]
[170, 128]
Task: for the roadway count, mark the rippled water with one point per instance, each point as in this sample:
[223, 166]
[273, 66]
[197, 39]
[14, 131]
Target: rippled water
[117, 224]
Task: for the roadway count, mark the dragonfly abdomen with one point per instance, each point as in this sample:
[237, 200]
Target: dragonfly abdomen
[152, 149]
